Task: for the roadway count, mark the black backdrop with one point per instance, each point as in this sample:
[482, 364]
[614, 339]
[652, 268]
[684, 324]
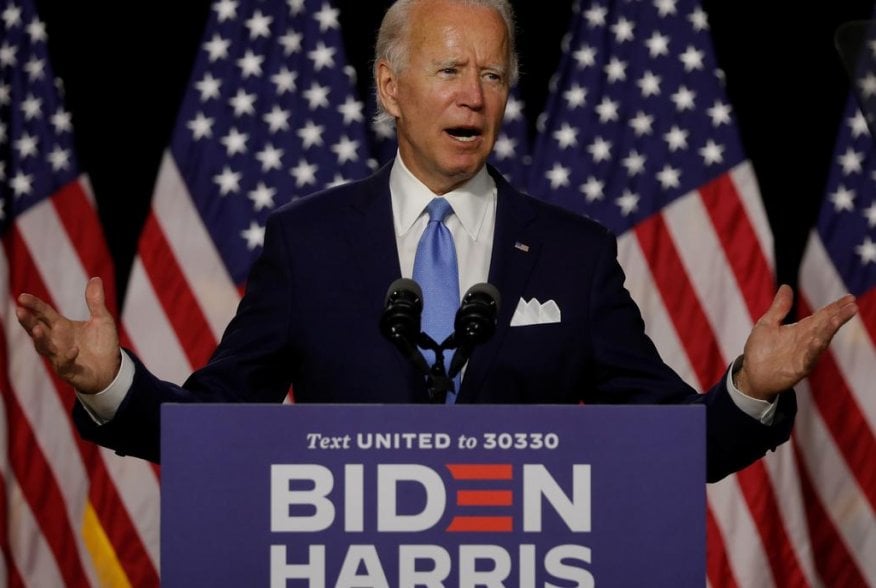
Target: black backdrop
[125, 66]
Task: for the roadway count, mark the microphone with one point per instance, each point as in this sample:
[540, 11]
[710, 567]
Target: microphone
[475, 323]
[400, 322]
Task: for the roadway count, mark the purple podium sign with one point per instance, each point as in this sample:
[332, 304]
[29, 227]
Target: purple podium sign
[412, 495]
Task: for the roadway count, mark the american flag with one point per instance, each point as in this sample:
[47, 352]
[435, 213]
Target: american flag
[270, 115]
[638, 134]
[834, 441]
[70, 509]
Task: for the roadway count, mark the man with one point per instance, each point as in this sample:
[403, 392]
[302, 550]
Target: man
[310, 314]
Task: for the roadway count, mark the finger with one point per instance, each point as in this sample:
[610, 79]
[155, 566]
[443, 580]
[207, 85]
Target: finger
[780, 306]
[95, 298]
[40, 310]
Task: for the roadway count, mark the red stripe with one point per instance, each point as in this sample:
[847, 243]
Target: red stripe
[733, 227]
[484, 498]
[844, 418]
[718, 568]
[867, 313]
[764, 507]
[110, 509]
[175, 295]
[480, 525]
[835, 565]
[472, 471]
[680, 299]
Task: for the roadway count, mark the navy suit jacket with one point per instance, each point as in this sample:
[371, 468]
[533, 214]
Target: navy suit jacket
[314, 298]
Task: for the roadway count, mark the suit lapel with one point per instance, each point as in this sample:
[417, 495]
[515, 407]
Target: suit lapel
[516, 248]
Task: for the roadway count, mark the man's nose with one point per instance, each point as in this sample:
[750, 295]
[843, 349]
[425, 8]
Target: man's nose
[471, 91]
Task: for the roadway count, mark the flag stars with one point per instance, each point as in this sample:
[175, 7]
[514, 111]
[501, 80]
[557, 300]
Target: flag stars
[234, 141]
[616, 70]
[558, 176]
[684, 99]
[870, 215]
[304, 173]
[322, 56]
[712, 153]
[669, 177]
[642, 123]
[217, 48]
[311, 134]
[600, 150]
[649, 84]
[868, 85]
[228, 181]
[250, 64]
[657, 44]
[5, 94]
[208, 87]
[243, 103]
[505, 147]
[262, 197]
[513, 109]
[858, 124]
[31, 107]
[61, 122]
[291, 42]
[665, 7]
[271, 157]
[35, 68]
[259, 25]
[351, 110]
[676, 138]
[225, 10]
[719, 112]
[623, 30]
[592, 189]
[59, 159]
[317, 96]
[634, 162]
[699, 19]
[607, 110]
[284, 80]
[11, 16]
[866, 251]
[254, 236]
[585, 57]
[628, 203]
[201, 127]
[843, 199]
[851, 161]
[36, 30]
[346, 150]
[575, 96]
[327, 17]
[595, 16]
[26, 145]
[21, 184]
[566, 136]
[295, 6]
[7, 55]
[277, 119]
[692, 58]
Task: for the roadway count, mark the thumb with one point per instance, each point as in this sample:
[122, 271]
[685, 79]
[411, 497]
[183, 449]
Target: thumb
[95, 298]
[780, 307]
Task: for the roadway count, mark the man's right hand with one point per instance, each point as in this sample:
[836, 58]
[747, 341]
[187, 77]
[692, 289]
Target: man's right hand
[86, 354]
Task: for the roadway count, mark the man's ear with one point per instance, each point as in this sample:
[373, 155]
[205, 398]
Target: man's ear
[387, 88]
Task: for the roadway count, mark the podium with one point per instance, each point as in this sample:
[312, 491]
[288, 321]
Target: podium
[417, 495]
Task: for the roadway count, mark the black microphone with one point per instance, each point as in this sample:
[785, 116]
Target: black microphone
[475, 323]
[400, 322]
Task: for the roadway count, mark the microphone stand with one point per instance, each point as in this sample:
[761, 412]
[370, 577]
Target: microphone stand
[438, 383]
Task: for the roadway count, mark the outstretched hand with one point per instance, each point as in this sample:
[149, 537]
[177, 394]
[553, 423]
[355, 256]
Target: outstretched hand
[777, 356]
[86, 354]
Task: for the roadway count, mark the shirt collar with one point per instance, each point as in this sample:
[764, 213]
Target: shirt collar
[410, 196]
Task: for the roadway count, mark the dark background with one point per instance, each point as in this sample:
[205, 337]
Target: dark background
[125, 67]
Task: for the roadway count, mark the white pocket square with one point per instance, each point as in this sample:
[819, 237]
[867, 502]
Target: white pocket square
[533, 312]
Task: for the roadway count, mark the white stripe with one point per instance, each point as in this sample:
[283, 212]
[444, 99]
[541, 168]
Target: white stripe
[658, 325]
[33, 556]
[149, 329]
[193, 248]
[746, 185]
[741, 539]
[852, 346]
[139, 491]
[52, 429]
[709, 273]
[847, 506]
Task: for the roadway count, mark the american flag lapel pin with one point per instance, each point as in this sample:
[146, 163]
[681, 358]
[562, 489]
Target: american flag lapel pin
[521, 246]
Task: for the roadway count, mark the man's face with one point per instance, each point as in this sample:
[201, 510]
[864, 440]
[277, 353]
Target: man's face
[449, 98]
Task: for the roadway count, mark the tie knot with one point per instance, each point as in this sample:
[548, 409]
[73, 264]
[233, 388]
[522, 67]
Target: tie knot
[439, 209]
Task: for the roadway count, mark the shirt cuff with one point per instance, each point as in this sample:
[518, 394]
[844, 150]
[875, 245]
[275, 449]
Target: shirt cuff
[762, 410]
[102, 407]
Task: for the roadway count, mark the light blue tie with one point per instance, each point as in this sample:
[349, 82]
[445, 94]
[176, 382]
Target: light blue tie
[437, 273]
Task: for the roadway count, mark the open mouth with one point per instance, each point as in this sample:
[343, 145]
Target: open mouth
[464, 134]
